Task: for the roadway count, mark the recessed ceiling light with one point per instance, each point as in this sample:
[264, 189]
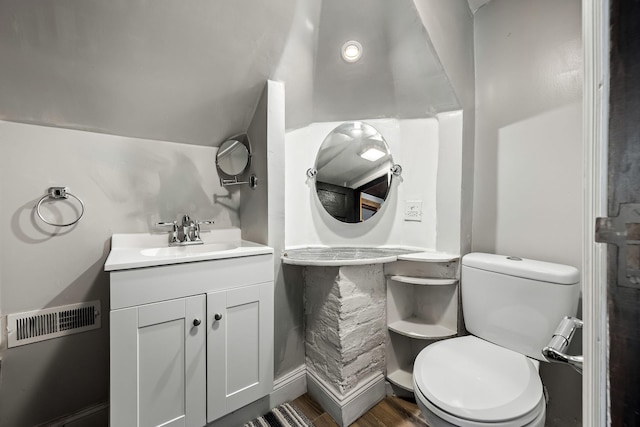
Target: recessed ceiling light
[372, 154]
[351, 51]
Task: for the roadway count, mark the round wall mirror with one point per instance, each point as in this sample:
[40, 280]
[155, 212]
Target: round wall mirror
[233, 156]
[353, 172]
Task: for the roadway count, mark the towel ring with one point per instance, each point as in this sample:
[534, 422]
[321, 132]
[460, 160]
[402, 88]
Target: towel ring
[57, 193]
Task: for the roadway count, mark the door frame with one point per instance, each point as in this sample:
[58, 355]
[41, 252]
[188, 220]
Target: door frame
[595, 40]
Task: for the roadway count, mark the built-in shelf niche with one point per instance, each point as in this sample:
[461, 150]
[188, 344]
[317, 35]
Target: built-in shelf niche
[401, 353]
[422, 311]
[422, 280]
[422, 307]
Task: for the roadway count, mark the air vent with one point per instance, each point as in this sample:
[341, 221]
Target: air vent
[40, 325]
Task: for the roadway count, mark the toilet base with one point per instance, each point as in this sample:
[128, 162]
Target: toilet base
[435, 421]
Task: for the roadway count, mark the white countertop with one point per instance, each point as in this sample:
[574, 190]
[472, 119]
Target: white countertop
[137, 250]
[344, 256]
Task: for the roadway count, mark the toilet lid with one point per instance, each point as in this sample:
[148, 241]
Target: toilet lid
[477, 380]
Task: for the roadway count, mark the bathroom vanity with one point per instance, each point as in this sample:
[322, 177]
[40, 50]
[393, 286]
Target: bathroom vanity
[191, 334]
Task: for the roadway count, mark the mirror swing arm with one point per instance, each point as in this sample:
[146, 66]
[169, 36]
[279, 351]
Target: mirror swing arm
[253, 181]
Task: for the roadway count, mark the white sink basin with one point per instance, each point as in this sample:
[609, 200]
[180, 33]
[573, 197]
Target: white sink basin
[185, 251]
[149, 250]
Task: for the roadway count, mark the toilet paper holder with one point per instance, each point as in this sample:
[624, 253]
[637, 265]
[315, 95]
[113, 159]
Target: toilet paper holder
[555, 350]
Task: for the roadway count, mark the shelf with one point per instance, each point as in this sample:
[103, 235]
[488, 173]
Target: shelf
[423, 281]
[401, 378]
[414, 327]
[429, 257]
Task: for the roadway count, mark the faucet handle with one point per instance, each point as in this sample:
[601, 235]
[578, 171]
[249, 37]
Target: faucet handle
[196, 230]
[174, 231]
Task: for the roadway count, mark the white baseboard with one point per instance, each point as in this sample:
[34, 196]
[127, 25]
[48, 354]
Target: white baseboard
[345, 409]
[289, 386]
[285, 388]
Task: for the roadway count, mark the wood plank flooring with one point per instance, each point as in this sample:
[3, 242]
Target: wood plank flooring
[391, 412]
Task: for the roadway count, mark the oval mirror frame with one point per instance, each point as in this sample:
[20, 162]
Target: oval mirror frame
[233, 159]
[353, 172]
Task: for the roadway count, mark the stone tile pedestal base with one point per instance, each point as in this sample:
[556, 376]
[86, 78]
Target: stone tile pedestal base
[345, 338]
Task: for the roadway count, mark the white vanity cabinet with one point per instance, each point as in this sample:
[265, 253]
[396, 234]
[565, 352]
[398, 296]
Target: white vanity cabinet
[240, 332]
[158, 365]
[190, 342]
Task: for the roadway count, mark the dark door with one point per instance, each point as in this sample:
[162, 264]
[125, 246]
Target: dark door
[623, 288]
[339, 201]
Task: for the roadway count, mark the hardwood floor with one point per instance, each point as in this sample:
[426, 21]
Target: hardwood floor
[391, 412]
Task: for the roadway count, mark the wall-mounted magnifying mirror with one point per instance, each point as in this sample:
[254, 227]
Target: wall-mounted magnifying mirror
[233, 159]
[353, 172]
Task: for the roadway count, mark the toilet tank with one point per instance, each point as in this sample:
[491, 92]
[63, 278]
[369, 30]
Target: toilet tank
[517, 303]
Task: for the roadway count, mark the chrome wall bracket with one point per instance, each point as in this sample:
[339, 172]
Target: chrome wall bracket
[252, 182]
[555, 350]
[396, 170]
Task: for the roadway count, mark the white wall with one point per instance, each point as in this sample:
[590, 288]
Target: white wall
[415, 145]
[127, 185]
[449, 24]
[528, 172]
[529, 129]
[449, 183]
[262, 214]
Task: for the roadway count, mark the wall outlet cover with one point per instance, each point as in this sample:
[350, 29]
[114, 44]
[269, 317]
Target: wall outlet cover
[413, 210]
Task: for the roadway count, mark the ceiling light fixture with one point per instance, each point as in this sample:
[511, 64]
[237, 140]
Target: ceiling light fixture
[372, 154]
[351, 51]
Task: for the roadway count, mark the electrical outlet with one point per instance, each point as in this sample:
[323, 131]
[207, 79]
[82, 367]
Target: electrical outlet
[413, 210]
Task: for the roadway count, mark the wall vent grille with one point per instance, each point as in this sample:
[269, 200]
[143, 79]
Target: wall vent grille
[40, 325]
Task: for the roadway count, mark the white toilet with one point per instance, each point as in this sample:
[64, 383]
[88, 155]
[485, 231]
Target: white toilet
[512, 307]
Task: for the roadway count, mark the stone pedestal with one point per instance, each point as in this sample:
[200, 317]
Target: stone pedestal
[345, 338]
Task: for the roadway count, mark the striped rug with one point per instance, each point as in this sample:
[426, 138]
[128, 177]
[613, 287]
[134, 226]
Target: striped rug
[285, 415]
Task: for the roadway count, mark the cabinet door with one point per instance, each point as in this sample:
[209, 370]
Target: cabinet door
[239, 348]
[158, 364]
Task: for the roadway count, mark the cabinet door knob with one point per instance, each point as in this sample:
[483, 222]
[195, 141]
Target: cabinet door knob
[196, 322]
[217, 316]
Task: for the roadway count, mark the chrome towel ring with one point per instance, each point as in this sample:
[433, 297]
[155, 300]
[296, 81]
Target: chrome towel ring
[57, 193]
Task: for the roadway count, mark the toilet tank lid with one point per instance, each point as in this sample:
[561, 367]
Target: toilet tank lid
[522, 267]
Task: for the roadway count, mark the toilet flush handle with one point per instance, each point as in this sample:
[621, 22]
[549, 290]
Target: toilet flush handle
[555, 350]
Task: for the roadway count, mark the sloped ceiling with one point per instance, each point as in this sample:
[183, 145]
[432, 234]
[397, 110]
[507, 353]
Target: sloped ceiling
[398, 75]
[171, 70]
[193, 72]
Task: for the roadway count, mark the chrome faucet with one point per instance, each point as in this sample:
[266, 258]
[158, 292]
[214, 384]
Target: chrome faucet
[187, 228]
[189, 234]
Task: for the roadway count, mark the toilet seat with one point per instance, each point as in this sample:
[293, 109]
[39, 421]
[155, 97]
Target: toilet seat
[469, 379]
[438, 418]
